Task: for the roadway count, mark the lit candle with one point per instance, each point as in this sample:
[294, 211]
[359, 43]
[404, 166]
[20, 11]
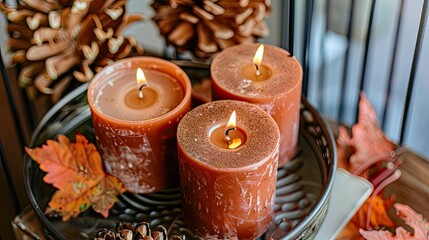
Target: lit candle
[272, 81]
[141, 82]
[228, 170]
[135, 126]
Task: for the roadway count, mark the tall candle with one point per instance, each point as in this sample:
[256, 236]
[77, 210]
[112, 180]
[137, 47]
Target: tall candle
[228, 192]
[276, 89]
[137, 135]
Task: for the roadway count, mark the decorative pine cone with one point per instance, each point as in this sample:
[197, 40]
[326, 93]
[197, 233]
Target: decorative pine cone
[208, 26]
[142, 231]
[57, 41]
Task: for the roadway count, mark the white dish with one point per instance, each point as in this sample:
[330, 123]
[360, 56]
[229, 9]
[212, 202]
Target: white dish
[348, 194]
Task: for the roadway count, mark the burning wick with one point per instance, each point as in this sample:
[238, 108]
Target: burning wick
[232, 143]
[141, 82]
[257, 59]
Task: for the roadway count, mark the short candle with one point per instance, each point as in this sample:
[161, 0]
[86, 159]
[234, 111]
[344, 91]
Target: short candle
[135, 124]
[228, 191]
[274, 85]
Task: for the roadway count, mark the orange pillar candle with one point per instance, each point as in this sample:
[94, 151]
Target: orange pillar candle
[273, 83]
[228, 185]
[136, 134]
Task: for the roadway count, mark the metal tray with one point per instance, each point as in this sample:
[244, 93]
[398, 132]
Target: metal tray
[303, 185]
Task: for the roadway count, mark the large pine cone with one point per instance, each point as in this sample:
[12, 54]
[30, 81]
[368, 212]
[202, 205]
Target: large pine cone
[57, 41]
[208, 26]
[142, 231]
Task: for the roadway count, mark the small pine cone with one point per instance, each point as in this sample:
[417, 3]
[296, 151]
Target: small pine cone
[160, 233]
[104, 234]
[142, 231]
[177, 238]
[206, 27]
[124, 234]
[60, 44]
[123, 225]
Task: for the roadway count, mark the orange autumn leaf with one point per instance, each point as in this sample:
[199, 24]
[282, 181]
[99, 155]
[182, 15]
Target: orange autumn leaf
[76, 170]
[68, 207]
[378, 214]
[104, 195]
[411, 218]
[378, 218]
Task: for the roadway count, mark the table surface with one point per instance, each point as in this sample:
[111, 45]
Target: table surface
[411, 189]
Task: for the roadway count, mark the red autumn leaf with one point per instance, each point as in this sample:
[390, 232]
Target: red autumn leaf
[411, 218]
[77, 171]
[368, 141]
[359, 153]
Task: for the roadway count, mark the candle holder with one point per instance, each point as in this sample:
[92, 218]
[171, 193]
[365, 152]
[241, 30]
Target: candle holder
[307, 179]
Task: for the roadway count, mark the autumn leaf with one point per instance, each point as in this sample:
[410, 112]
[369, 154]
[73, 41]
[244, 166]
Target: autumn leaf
[378, 213]
[378, 217]
[68, 207]
[104, 195]
[411, 218]
[344, 149]
[76, 170]
[370, 154]
[369, 142]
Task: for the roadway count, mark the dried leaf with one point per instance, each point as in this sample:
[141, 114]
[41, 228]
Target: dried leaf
[378, 214]
[76, 170]
[67, 206]
[104, 195]
[369, 142]
[411, 218]
[344, 148]
[359, 153]
[73, 168]
[378, 217]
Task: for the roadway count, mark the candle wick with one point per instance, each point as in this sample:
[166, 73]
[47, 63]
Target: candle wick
[258, 72]
[141, 90]
[227, 138]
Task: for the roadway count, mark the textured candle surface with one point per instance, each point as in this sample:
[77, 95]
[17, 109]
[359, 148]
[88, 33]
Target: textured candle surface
[232, 70]
[277, 90]
[137, 139]
[228, 192]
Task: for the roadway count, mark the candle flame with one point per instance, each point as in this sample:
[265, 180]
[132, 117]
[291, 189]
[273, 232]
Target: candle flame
[232, 121]
[257, 59]
[140, 77]
[235, 143]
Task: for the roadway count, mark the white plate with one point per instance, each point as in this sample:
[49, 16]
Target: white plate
[348, 194]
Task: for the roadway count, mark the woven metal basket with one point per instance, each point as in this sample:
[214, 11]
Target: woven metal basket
[312, 170]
